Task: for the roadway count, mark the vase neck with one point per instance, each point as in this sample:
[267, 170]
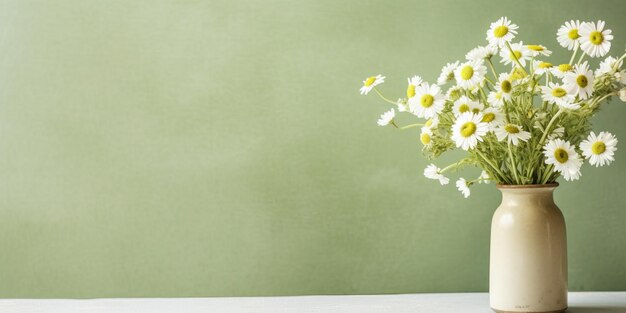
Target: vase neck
[518, 194]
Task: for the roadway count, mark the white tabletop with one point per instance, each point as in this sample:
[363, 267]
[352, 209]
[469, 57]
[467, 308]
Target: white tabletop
[579, 302]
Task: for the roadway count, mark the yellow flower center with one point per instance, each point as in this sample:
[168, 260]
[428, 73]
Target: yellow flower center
[559, 92]
[468, 129]
[511, 129]
[475, 110]
[506, 86]
[596, 37]
[500, 31]
[369, 81]
[425, 138]
[565, 67]
[535, 47]
[573, 34]
[467, 72]
[515, 55]
[581, 80]
[545, 65]
[488, 118]
[517, 74]
[429, 123]
[410, 91]
[561, 155]
[598, 147]
[463, 108]
[427, 100]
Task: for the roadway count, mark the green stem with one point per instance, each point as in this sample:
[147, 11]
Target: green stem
[574, 54]
[491, 164]
[408, 126]
[515, 56]
[384, 98]
[513, 165]
[493, 69]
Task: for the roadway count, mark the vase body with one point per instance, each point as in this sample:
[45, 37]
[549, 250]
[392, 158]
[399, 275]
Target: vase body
[528, 255]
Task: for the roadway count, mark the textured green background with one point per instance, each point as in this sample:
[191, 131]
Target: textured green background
[205, 148]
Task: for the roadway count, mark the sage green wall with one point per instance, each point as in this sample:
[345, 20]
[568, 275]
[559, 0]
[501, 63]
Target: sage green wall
[214, 148]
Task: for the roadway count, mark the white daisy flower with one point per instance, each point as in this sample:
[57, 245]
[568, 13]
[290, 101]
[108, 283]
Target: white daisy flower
[536, 50]
[521, 52]
[557, 94]
[484, 178]
[513, 132]
[500, 32]
[426, 136]
[470, 74]
[594, 39]
[505, 86]
[463, 186]
[433, 172]
[386, 118]
[371, 82]
[465, 104]
[402, 107]
[413, 83]
[495, 99]
[481, 53]
[447, 73]
[493, 117]
[606, 66]
[568, 35]
[541, 67]
[427, 102]
[468, 130]
[433, 122]
[580, 81]
[562, 155]
[599, 149]
[561, 70]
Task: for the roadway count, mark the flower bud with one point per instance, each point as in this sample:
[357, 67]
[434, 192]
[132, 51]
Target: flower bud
[622, 94]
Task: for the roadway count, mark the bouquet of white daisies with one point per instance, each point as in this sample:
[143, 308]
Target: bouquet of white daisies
[530, 123]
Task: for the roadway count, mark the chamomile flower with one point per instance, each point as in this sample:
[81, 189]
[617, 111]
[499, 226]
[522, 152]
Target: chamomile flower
[431, 123]
[594, 39]
[541, 67]
[580, 81]
[495, 99]
[521, 52]
[536, 50]
[568, 35]
[484, 178]
[426, 136]
[413, 83]
[493, 117]
[564, 158]
[481, 53]
[607, 65]
[402, 106]
[427, 102]
[470, 74]
[468, 130]
[463, 186]
[371, 82]
[433, 172]
[501, 31]
[557, 133]
[447, 73]
[386, 118]
[558, 95]
[505, 86]
[513, 132]
[599, 149]
[561, 70]
[465, 104]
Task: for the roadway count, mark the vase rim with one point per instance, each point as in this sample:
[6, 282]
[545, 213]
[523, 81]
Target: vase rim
[530, 186]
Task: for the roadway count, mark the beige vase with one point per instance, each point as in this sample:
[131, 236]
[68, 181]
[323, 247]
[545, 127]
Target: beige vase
[528, 257]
